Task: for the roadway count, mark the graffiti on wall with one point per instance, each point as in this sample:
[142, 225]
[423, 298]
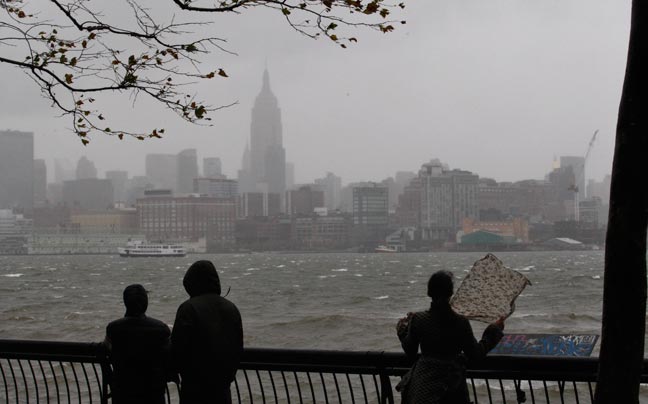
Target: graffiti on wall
[546, 345]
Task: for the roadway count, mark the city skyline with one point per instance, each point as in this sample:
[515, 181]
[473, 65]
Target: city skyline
[459, 83]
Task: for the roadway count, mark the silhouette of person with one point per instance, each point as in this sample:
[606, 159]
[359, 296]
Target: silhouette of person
[207, 338]
[446, 340]
[137, 347]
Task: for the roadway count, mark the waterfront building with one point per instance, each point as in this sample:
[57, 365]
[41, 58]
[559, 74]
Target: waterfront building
[51, 218]
[162, 170]
[212, 167]
[264, 233]
[565, 196]
[88, 194]
[256, 204]
[593, 212]
[447, 197]
[85, 169]
[14, 232]
[264, 165]
[322, 232]
[40, 182]
[17, 170]
[119, 179]
[517, 228]
[408, 210]
[370, 205]
[161, 216]
[304, 200]
[114, 221]
[331, 184]
[187, 165]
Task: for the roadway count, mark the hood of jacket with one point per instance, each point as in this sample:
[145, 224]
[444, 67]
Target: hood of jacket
[201, 278]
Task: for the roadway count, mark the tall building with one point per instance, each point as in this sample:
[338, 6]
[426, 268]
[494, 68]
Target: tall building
[267, 157]
[85, 169]
[187, 170]
[447, 198]
[17, 170]
[162, 171]
[303, 201]
[216, 187]
[119, 180]
[370, 205]
[578, 166]
[40, 182]
[212, 167]
[332, 187]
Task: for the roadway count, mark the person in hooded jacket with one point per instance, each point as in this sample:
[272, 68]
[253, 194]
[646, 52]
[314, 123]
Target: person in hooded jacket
[138, 349]
[207, 338]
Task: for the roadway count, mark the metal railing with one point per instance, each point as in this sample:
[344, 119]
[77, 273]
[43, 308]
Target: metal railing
[69, 372]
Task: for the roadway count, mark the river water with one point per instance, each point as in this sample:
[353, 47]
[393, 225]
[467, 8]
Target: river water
[328, 301]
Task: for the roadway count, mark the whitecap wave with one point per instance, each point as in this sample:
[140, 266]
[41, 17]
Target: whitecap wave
[13, 275]
[381, 297]
[340, 270]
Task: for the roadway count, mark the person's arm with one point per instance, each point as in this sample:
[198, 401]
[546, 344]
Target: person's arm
[477, 350]
[410, 339]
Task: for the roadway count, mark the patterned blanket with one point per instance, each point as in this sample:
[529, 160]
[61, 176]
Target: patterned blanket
[489, 291]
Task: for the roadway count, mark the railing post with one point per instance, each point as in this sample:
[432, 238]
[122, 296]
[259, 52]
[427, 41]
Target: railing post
[387, 394]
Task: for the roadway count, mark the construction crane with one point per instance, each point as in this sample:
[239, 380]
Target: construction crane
[581, 177]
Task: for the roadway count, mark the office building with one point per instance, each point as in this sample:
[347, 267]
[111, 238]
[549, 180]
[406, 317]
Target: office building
[187, 170]
[17, 170]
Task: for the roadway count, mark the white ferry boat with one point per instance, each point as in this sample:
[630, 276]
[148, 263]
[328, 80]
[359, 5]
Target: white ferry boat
[141, 249]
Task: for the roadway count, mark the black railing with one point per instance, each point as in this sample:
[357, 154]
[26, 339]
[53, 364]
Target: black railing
[67, 372]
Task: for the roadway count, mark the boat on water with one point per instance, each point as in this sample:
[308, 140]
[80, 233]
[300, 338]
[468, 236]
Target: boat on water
[385, 249]
[142, 249]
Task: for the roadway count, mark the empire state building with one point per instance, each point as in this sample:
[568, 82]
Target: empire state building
[265, 166]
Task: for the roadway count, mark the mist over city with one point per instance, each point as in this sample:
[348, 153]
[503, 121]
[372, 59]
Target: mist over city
[359, 188]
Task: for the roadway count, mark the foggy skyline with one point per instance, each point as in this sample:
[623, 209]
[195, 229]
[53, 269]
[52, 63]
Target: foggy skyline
[499, 89]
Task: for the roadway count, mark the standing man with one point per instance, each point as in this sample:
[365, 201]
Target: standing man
[207, 338]
[137, 347]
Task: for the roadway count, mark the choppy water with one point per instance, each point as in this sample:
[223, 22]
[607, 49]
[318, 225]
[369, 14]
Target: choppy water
[332, 301]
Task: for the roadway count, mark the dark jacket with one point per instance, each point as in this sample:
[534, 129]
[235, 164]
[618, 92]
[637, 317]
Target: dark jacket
[207, 339]
[446, 340]
[138, 348]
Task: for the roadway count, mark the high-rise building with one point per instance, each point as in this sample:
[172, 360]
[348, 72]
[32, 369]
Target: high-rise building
[162, 170]
[447, 197]
[578, 166]
[212, 167]
[187, 170]
[304, 200]
[17, 170]
[216, 187]
[119, 180]
[267, 157]
[85, 169]
[257, 204]
[370, 205]
[332, 187]
[40, 182]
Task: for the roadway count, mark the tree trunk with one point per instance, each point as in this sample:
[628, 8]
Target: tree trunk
[624, 293]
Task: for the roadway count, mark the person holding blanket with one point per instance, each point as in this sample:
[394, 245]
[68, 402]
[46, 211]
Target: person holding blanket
[446, 342]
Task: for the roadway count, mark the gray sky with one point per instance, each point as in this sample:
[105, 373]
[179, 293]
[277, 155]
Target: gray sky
[496, 87]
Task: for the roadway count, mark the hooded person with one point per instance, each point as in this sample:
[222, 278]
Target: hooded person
[137, 348]
[207, 338]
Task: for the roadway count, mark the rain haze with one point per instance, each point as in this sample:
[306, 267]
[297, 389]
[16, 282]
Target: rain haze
[499, 88]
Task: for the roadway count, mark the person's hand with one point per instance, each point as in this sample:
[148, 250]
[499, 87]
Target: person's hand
[500, 323]
[403, 323]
